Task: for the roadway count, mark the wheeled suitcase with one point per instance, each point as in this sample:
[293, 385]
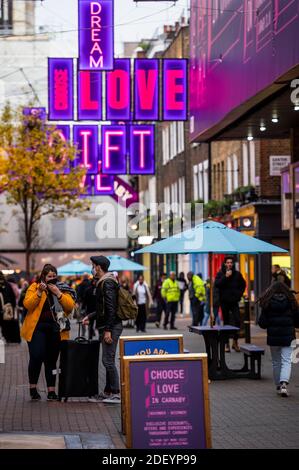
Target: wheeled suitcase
[11, 331]
[79, 361]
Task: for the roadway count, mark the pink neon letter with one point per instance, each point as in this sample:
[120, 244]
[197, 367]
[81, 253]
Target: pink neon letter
[142, 153]
[85, 135]
[110, 148]
[118, 86]
[146, 87]
[92, 9]
[172, 89]
[85, 92]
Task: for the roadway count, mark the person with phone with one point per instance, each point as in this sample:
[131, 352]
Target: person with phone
[109, 326]
[47, 301]
[231, 285]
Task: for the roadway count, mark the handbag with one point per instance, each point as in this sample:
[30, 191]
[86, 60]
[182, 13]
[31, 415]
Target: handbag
[8, 310]
[62, 322]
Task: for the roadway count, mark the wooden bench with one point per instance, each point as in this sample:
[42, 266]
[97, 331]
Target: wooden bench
[254, 353]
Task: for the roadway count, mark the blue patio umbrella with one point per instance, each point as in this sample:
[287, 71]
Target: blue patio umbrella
[211, 237]
[73, 268]
[119, 263]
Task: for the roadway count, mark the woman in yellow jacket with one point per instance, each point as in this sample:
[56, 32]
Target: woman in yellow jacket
[44, 301]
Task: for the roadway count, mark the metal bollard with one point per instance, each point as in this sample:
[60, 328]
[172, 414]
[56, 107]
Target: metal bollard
[247, 320]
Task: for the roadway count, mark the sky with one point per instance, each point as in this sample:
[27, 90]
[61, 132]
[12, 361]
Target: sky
[133, 21]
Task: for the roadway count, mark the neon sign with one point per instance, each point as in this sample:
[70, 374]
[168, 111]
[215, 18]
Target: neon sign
[114, 150]
[86, 139]
[142, 150]
[146, 89]
[174, 89]
[96, 35]
[60, 78]
[89, 96]
[118, 95]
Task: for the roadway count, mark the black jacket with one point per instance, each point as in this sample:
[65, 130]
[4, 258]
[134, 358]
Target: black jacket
[8, 297]
[89, 299]
[230, 288]
[280, 321]
[81, 289]
[106, 304]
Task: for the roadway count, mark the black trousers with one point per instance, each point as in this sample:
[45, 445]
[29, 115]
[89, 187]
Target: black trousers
[197, 310]
[231, 309]
[141, 318]
[172, 308]
[161, 307]
[44, 348]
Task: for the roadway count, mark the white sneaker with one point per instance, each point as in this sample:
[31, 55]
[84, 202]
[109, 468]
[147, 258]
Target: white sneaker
[114, 398]
[284, 390]
[99, 398]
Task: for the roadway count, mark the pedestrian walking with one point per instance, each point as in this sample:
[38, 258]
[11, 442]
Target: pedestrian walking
[144, 299]
[48, 303]
[207, 307]
[280, 317]
[171, 293]
[160, 301]
[197, 296]
[183, 287]
[109, 325]
[279, 274]
[231, 285]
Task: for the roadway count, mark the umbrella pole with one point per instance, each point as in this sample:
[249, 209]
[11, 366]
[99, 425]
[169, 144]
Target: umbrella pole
[211, 289]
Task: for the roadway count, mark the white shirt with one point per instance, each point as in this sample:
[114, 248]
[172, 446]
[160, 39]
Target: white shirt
[141, 294]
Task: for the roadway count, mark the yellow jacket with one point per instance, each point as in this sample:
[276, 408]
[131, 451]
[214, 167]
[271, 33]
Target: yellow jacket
[171, 290]
[34, 306]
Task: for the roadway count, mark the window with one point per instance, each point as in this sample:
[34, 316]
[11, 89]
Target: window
[90, 230]
[236, 171]
[252, 162]
[167, 195]
[5, 15]
[165, 144]
[58, 230]
[200, 181]
[206, 181]
[229, 176]
[180, 134]
[245, 164]
[195, 183]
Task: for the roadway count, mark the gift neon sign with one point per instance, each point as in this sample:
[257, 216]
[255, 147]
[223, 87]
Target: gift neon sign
[96, 35]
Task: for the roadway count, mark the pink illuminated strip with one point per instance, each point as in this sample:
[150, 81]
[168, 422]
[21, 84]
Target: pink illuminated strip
[142, 153]
[85, 135]
[109, 148]
[99, 177]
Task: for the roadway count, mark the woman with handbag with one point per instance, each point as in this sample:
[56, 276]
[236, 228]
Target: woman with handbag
[48, 303]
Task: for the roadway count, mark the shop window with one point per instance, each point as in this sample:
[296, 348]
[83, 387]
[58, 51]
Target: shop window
[58, 230]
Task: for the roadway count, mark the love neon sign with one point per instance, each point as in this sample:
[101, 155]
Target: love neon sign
[61, 96]
[146, 90]
[96, 36]
[118, 91]
[174, 89]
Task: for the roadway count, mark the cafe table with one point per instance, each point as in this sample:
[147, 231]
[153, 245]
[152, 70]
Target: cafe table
[216, 338]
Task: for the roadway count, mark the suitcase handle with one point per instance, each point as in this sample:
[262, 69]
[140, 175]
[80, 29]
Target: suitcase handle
[81, 339]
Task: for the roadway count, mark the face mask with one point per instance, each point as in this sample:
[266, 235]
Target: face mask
[94, 272]
[52, 281]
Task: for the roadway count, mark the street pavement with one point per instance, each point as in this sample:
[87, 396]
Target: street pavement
[244, 413]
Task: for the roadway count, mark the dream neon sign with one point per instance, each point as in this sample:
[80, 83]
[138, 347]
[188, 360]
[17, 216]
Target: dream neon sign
[96, 35]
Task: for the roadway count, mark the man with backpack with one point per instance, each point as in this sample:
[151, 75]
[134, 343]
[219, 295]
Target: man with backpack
[109, 325]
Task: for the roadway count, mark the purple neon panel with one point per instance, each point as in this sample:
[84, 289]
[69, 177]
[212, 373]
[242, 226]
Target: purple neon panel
[118, 91]
[86, 140]
[146, 90]
[39, 113]
[175, 89]
[114, 150]
[96, 36]
[89, 96]
[60, 89]
[142, 150]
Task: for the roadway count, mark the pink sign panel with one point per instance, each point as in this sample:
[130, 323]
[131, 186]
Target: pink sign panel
[60, 89]
[118, 91]
[96, 37]
[103, 184]
[114, 150]
[89, 96]
[86, 140]
[123, 193]
[175, 89]
[146, 90]
[142, 150]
